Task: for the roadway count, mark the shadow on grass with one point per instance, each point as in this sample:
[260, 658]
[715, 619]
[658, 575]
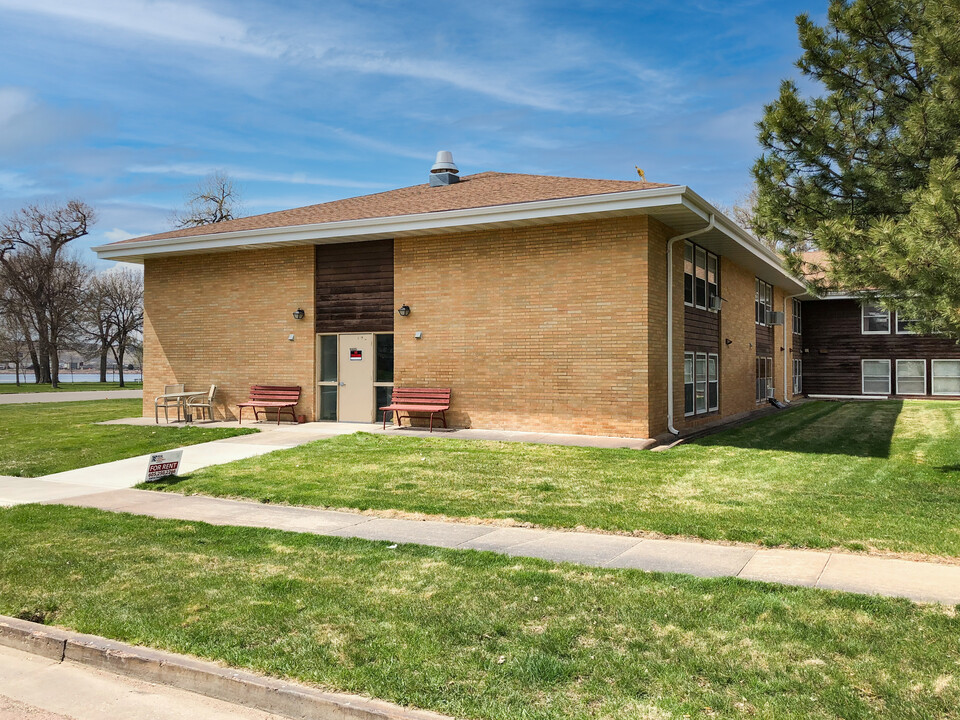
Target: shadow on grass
[858, 429]
[163, 483]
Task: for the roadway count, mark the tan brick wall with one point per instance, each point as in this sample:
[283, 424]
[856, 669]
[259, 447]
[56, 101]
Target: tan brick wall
[738, 360]
[224, 318]
[657, 330]
[543, 328]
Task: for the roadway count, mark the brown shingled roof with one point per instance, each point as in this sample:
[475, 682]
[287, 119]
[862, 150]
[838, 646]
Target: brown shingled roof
[473, 191]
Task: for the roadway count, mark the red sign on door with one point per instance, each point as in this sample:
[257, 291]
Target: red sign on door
[356, 354]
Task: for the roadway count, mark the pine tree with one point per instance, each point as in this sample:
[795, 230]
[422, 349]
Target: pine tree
[863, 170]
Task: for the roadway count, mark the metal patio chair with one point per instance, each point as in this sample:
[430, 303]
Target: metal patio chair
[203, 401]
[166, 402]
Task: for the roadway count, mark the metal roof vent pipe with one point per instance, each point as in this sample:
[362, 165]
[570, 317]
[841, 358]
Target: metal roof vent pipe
[444, 170]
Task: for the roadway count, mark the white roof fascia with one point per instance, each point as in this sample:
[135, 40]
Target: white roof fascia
[623, 201]
[396, 224]
[744, 239]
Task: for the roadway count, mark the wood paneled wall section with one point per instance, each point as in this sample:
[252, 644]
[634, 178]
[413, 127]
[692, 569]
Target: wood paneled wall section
[701, 330]
[833, 347]
[765, 340]
[354, 287]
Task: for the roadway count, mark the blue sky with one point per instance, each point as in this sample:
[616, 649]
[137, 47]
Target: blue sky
[127, 103]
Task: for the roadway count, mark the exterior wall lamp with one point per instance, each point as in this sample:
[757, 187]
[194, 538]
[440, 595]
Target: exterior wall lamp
[403, 311]
[298, 314]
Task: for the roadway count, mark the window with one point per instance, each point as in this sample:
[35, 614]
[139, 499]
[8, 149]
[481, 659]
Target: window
[327, 377]
[875, 320]
[911, 377]
[797, 327]
[763, 300]
[701, 403]
[701, 383]
[713, 382]
[903, 325]
[876, 377]
[797, 376]
[701, 280]
[764, 377]
[713, 283]
[383, 378]
[946, 377]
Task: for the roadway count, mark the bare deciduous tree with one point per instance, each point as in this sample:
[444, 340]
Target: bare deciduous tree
[97, 320]
[48, 284]
[124, 291]
[215, 199]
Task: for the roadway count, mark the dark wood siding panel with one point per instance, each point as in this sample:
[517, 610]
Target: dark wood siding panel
[833, 348]
[701, 329]
[765, 340]
[354, 287]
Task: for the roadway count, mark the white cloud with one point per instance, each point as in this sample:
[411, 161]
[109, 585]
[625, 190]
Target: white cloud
[14, 184]
[117, 235]
[197, 170]
[539, 72]
[173, 21]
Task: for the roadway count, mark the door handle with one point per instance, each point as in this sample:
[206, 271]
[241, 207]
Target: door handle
[342, 384]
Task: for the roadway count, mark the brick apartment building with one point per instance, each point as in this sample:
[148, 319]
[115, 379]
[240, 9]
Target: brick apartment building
[545, 303]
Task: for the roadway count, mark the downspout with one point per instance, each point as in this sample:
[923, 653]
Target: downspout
[670, 241]
[786, 398]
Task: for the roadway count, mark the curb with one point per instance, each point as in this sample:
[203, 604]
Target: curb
[205, 678]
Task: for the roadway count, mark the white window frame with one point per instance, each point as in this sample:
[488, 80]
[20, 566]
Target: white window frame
[699, 384]
[716, 364]
[896, 325]
[764, 382]
[933, 376]
[863, 377]
[797, 376]
[897, 370]
[689, 247]
[863, 318]
[763, 294]
[692, 357]
[797, 327]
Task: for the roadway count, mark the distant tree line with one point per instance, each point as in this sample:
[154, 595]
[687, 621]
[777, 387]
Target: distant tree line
[51, 302]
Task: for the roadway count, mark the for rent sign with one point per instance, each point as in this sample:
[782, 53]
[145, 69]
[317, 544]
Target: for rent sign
[163, 464]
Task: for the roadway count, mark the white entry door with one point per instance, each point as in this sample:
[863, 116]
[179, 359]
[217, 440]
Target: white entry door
[356, 393]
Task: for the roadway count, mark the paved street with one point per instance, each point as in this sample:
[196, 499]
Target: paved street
[37, 688]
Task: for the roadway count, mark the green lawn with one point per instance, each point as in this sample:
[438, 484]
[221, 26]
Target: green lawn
[479, 635]
[43, 438]
[13, 388]
[857, 475]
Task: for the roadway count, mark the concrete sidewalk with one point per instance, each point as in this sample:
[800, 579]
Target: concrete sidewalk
[130, 471]
[537, 438]
[81, 396]
[919, 581]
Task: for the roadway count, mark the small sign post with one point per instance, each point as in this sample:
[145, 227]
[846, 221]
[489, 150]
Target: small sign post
[163, 464]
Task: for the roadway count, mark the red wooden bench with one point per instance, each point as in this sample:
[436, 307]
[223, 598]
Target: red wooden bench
[420, 400]
[277, 397]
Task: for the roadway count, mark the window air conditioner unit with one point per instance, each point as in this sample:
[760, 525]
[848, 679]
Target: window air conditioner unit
[716, 302]
[771, 393]
[774, 318]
